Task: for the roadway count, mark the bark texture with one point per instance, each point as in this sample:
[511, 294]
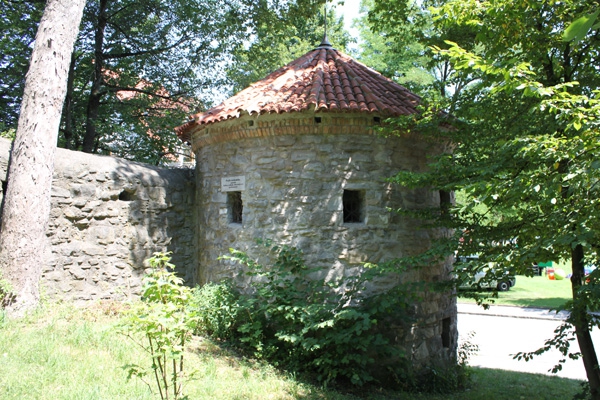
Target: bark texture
[581, 320]
[27, 201]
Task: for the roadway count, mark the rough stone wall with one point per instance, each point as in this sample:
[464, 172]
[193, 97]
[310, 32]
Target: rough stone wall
[293, 191]
[109, 215]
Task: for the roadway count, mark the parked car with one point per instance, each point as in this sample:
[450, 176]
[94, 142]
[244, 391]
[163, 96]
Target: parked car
[502, 285]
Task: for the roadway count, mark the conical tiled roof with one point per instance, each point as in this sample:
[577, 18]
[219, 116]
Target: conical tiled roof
[325, 79]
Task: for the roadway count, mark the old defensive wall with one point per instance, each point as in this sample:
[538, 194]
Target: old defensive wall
[108, 215]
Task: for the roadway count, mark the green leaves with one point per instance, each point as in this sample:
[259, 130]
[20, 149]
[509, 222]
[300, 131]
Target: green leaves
[158, 62]
[303, 323]
[165, 321]
[525, 145]
[580, 27]
[279, 41]
[19, 22]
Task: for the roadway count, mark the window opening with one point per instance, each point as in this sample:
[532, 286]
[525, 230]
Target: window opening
[445, 202]
[250, 123]
[377, 120]
[353, 205]
[317, 120]
[236, 207]
[446, 332]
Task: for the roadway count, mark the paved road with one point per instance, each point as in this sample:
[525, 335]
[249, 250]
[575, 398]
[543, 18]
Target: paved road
[503, 331]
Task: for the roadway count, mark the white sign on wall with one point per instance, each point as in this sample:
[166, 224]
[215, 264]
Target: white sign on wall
[233, 184]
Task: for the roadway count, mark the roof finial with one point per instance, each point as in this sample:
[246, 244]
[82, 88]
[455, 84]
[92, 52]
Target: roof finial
[325, 42]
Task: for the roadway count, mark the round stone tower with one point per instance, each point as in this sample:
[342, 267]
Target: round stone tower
[297, 158]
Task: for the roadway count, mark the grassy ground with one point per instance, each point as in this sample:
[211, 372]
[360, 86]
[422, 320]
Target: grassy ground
[537, 291]
[66, 353]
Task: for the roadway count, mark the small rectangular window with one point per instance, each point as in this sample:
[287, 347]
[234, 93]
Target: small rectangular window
[446, 324]
[445, 202]
[353, 206]
[235, 207]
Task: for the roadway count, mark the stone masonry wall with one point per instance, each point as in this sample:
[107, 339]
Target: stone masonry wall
[108, 215]
[294, 185]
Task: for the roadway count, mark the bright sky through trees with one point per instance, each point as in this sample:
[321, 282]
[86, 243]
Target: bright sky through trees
[349, 10]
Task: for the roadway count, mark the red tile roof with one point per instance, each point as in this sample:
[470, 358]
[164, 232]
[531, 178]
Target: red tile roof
[324, 78]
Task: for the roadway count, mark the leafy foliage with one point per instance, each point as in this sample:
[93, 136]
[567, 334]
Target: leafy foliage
[218, 310]
[276, 45]
[523, 144]
[166, 325]
[139, 67]
[330, 329]
[562, 339]
[334, 331]
[580, 27]
[19, 21]
[8, 134]
[398, 36]
[394, 49]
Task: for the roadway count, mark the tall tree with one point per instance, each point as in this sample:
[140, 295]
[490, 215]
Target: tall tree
[140, 67]
[525, 148]
[397, 49]
[27, 201]
[151, 62]
[19, 20]
[397, 36]
[274, 46]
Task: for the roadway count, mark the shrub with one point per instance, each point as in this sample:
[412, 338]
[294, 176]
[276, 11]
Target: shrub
[329, 329]
[217, 309]
[165, 323]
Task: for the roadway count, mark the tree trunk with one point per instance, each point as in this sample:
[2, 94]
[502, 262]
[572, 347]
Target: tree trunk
[580, 319]
[68, 107]
[27, 203]
[93, 108]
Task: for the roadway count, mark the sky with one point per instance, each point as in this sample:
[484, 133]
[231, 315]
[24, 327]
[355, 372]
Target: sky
[350, 11]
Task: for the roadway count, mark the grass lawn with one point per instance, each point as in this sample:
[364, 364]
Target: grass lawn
[537, 291]
[65, 353]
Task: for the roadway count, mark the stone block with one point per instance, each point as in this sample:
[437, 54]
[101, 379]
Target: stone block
[304, 156]
[60, 192]
[77, 273]
[73, 213]
[285, 141]
[87, 191]
[91, 249]
[91, 205]
[105, 210]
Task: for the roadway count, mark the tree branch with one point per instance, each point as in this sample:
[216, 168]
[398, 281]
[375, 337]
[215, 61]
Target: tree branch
[115, 88]
[143, 52]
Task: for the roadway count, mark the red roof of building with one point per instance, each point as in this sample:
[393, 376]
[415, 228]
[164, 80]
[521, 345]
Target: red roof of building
[325, 79]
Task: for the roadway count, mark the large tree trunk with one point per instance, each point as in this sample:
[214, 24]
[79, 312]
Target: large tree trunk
[27, 203]
[93, 108]
[580, 319]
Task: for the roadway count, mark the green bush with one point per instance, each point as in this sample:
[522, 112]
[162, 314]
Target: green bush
[161, 324]
[328, 329]
[217, 308]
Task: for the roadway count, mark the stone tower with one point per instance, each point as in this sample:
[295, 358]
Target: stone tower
[297, 158]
